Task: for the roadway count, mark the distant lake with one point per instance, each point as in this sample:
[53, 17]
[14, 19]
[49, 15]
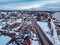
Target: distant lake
[57, 15]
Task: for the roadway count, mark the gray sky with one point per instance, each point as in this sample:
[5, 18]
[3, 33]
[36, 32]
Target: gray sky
[28, 4]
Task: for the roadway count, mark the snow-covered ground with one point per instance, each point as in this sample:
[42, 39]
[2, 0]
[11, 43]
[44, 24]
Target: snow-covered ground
[19, 20]
[4, 40]
[35, 40]
[55, 36]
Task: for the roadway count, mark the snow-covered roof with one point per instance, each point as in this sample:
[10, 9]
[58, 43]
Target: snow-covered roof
[4, 40]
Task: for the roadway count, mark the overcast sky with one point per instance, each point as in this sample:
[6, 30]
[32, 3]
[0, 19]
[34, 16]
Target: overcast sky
[28, 4]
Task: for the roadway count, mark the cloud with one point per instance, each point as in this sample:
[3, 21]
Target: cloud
[26, 4]
[21, 6]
